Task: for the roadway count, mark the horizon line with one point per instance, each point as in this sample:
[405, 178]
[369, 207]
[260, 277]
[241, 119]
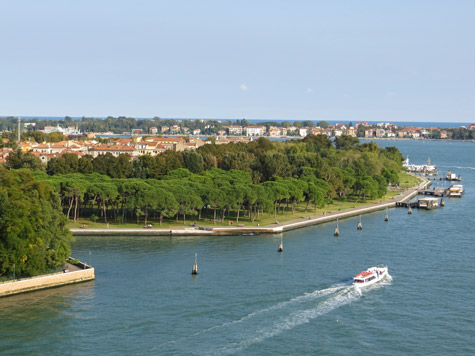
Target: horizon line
[213, 119]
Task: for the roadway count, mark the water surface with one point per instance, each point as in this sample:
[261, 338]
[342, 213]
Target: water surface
[250, 300]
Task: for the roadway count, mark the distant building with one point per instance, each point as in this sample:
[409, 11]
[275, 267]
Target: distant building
[175, 129]
[255, 130]
[369, 133]
[68, 131]
[351, 131]
[274, 132]
[316, 130]
[358, 124]
[115, 150]
[235, 130]
[380, 133]
[338, 132]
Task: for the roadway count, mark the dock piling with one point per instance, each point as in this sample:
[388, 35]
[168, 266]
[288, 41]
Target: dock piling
[195, 265]
[360, 225]
[337, 230]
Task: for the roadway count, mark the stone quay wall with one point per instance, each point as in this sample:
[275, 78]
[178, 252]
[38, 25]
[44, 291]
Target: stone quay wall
[46, 281]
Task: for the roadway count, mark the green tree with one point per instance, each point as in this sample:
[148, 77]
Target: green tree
[193, 161]
[17, 159]
[67, 163]
[33, 238]
[323, 124]
[346, 142]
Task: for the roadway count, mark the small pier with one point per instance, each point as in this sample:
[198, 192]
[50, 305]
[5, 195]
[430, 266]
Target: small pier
[436, 192]
[407, 204]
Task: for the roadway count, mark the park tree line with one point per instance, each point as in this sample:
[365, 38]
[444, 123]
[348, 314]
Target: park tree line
[272, 176]
[337, 164]
[214, 194]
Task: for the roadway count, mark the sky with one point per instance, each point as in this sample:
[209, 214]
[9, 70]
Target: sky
[317, 60]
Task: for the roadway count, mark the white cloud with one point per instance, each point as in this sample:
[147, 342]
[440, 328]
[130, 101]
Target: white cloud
[309, 90]
[243, 87]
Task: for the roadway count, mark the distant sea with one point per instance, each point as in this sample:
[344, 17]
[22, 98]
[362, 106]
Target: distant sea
[255, 121]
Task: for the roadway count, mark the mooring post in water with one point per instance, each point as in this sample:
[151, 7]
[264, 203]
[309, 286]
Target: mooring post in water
[337, 230]
[360, 225]
[195, 265]
[386, 217]
[409, 211]
[442, 202]
[281, 246]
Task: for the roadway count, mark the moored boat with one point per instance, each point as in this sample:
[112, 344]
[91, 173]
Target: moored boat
[455, 191]
[370, 276]
[428, 203]
[453, 177]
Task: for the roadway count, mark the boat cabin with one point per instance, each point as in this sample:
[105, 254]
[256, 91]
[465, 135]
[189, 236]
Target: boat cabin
[428, 203]
[364, 277]
[455, 190]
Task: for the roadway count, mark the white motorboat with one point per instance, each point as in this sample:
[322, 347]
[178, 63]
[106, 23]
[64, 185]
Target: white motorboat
[370, 276]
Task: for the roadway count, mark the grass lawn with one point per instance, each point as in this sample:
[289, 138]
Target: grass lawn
[407, 180]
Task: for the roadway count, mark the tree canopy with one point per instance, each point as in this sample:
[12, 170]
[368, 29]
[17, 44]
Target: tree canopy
[32, 234]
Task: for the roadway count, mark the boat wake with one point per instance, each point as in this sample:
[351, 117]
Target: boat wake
[458, 167]
[306, 296]
[235, 336]
[290, 320]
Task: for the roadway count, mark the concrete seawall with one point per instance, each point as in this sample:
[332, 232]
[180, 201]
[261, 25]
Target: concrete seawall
[46, 281]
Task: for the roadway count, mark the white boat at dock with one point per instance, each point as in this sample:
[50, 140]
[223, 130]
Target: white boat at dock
[371, 276]
[453, 177]
[455, 191]
[426, 169]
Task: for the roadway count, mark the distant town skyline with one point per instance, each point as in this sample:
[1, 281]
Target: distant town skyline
[333, 61]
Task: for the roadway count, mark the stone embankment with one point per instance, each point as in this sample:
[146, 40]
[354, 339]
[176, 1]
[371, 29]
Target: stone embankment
[71, 274]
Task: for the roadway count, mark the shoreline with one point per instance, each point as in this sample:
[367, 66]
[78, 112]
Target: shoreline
[269, 229]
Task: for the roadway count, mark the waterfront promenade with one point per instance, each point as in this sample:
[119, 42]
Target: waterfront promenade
[269, 229]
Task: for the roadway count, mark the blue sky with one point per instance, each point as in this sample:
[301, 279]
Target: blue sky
[297, 60]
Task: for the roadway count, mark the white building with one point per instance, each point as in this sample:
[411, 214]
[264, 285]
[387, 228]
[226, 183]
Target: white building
[255, 130]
